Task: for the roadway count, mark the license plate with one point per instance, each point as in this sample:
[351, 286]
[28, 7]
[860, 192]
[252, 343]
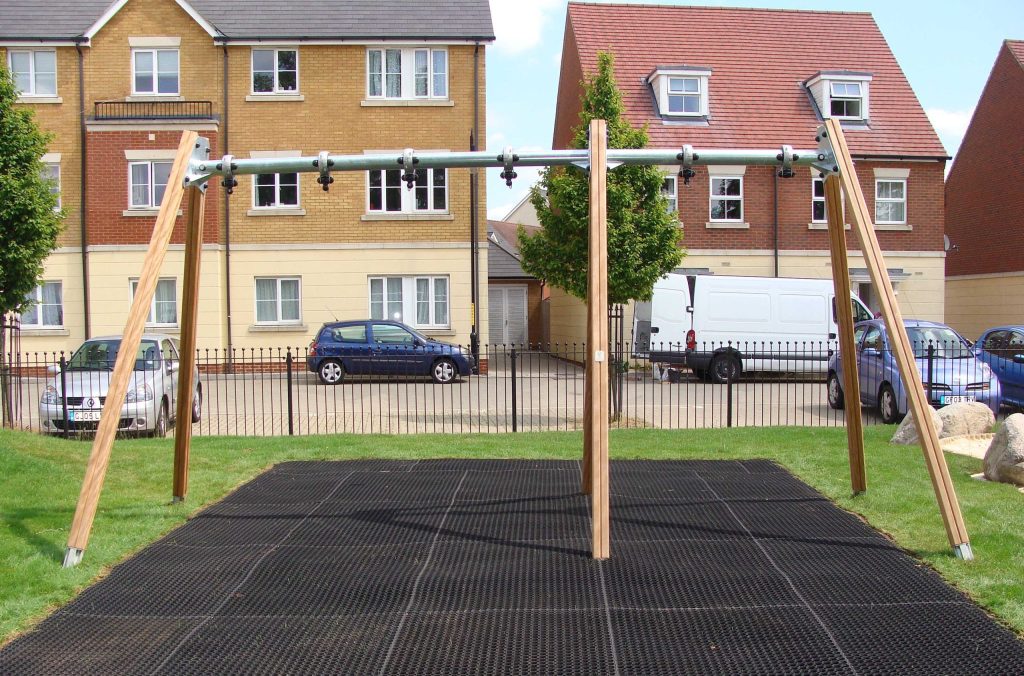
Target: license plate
[84, 416]
[957, 399]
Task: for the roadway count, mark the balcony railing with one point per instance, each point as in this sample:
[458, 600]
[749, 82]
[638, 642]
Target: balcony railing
[154, 110]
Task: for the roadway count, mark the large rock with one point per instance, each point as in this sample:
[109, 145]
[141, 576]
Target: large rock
[966, 418]
[1004, 460]
[906, 433]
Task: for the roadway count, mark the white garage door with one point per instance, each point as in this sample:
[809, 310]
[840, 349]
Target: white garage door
[507, 315]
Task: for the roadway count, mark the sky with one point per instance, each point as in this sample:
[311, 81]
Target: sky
[945, 47]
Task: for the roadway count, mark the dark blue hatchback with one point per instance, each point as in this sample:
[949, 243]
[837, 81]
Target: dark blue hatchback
[1002, 348]
[378, 347]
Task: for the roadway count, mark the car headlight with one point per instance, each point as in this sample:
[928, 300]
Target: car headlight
[50, 396]
[141, 393]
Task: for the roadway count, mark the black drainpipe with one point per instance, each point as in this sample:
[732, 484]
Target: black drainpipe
[474, 244]
[227, 218]
[776, 222]
[83, 226]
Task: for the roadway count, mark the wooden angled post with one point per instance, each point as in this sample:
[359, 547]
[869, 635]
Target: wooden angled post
[863, 226]
[597, 342]
[99, 457]
[847, 349]
[186, 365]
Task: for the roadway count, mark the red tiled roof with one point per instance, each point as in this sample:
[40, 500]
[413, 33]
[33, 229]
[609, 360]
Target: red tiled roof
[1017, 48]
[759, 59]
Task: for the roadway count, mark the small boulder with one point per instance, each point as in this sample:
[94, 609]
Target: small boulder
[966, 418]
[906, 433]
[1004, 460]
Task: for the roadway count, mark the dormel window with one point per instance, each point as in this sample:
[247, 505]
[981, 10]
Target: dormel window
[842, 95]
[275, 71]
[404, 73]
[681, 91]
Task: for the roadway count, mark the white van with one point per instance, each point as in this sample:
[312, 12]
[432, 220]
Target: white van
[721, 326]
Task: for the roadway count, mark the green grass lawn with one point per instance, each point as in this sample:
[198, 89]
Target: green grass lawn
[40, 479]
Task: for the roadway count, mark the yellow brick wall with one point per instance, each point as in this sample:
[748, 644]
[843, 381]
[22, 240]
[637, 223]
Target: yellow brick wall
[976, 303]
[61, 120]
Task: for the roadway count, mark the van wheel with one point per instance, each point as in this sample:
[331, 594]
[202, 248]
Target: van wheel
[835, 392]
[197, 405]
[724, 367]
[887, 406]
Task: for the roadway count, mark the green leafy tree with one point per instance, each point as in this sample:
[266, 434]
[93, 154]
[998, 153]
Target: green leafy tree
[643, 237]
[29, 219]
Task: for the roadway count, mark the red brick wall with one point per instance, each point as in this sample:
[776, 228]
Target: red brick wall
[108, 189]
[985, 189]
[567, 109]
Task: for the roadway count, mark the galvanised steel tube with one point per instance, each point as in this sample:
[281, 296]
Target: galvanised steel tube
[203, 169]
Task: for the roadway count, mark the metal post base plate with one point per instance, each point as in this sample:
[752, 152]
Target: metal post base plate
[176, 499]
[963, 551]
[72, 557]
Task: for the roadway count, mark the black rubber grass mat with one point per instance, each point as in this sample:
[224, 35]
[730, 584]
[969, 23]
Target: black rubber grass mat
[483, 566]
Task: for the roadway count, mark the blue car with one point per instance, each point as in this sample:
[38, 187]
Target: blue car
[957, 375]
[1002, 348]
[380, 347]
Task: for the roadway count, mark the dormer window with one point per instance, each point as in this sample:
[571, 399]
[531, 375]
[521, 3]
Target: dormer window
[842, 95]
[846, 100]
[682, 91]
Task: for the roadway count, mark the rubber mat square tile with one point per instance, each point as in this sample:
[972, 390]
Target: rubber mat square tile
[520, 520]
[338, 524]
[280, 488]
[802, 519]
[645, 521]
[521, 642]
[322, 581]
[765, 486]
[421, 487]
[238, 524]
[354, 644]
[776, 641]
[75, 644]
[497, 486]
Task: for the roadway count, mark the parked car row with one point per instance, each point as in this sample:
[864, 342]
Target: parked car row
[952, 370]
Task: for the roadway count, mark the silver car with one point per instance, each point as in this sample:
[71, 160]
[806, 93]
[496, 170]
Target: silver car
[152, 390]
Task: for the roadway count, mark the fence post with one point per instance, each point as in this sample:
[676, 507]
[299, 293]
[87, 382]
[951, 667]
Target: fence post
[291, 424]
[64, 393]
[728, 398]
[515, 404]
[931, 370]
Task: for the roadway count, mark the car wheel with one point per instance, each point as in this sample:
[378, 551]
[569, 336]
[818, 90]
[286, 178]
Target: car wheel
[160, 428]
[444, 371]
[887, 406]
[835, 392]
[197, 405]
[330, 372]
[724, 367]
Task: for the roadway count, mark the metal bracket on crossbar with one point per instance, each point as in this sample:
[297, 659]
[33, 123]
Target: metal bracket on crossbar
[507, 158]
[686, 159]
[200, 157]
[787, 157]
[825, 162]
[408, 161]
[323, 162]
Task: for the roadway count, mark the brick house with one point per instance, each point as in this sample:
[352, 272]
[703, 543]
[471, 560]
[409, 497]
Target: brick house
[985, 206]
[118, 82]
[736, 78]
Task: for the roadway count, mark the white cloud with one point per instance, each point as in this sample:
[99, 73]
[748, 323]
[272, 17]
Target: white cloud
[518, 24]
[951, 125]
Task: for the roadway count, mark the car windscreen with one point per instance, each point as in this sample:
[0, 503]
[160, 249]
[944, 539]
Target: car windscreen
[99, 355]
[945, 342]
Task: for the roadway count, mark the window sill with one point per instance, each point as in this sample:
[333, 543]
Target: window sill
[407, 217]
[163, 328]
[275, 211]
[823, 226]
[278, 328]
[894, 227]
[154, 97]
[56, 331]
[727, 225]
[444, 333]
[275, 97]
[383, 103]
[144, 213]
[39, 99]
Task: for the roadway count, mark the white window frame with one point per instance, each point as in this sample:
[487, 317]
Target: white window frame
[152, 203]
[32, 71]
[409, 196]
[277, 297]
[660, 80]
[38, 293]
[718, 198]
[276, 91]
[410, 300]
[133, 285]
[277, 193]
[407, 73]
[890, 200]
[672, 194]
[156, 71]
